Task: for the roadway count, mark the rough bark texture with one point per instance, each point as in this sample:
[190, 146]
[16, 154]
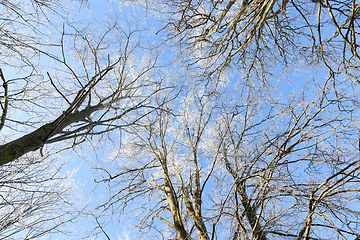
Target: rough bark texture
[36, 139]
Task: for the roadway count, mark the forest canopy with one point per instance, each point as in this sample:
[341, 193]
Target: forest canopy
[195, 119]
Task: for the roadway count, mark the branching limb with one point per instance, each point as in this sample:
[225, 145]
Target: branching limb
[4, 107]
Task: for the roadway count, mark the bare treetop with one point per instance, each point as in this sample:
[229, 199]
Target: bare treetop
[185, 119]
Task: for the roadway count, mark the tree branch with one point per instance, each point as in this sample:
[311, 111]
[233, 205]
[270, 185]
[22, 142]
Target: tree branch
[6, 100]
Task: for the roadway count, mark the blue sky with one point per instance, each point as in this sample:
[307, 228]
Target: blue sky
[85, 161]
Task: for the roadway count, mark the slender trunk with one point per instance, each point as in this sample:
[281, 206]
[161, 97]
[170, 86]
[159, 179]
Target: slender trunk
[174, 204]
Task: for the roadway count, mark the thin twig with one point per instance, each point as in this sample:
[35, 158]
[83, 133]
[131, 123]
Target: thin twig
[52, 83]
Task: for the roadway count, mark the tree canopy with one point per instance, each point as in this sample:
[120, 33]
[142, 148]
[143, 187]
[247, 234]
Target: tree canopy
[196, 119]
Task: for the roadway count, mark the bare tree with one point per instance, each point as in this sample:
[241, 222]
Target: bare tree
[34, 199]
[81, 82]
[255, 36]
[223, 165]
[232, 159]
[209, 147]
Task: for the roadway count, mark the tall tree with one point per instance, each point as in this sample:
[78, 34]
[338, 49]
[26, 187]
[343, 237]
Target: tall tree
[224, 165]
[251, 133]
[80, 82]
[236, 155]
